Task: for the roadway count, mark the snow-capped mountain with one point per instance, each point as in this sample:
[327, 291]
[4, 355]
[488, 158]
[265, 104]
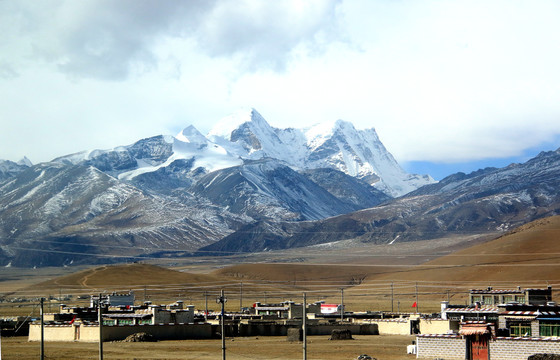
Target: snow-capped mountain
[10, 168]
[247, 186]
[188, 190]
[152, 154]
[246, 135]
[336, 145]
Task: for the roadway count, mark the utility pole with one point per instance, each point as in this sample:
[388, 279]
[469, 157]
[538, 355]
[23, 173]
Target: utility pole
[304, 326]
[42, 330]
[222, 300]
[205, 306]
[241, 297]
[100, 319]
[341, 304]
[392, 297]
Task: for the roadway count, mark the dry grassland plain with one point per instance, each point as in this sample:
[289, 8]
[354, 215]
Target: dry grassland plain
[364, 277]
[278, 348]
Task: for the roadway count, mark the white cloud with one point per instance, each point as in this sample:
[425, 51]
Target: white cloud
[440, 81]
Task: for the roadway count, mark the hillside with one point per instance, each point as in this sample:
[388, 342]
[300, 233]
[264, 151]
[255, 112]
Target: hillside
[123, 277]
[527, 254]
[371, 275]
[485, 201]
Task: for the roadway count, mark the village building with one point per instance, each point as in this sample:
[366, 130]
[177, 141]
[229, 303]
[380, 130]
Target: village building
[492, 296]
[119, 321]
[499, 324]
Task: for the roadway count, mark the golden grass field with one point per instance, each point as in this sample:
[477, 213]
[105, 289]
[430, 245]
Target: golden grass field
[374, 277]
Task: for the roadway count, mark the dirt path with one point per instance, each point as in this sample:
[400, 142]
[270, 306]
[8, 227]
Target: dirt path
[86, 278]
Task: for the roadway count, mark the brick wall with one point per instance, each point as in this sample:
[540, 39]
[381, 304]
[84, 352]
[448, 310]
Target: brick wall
[438, 346]
[508, 348]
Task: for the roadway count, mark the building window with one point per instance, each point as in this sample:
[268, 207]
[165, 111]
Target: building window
[126, 322]
[549, 329]
[508, 299]
[520, 299]
[520, 329]
[488, 300]
[475, 299]
[144, 321]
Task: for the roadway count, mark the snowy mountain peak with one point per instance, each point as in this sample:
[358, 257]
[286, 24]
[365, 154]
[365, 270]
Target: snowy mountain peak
[246, 135]
[319, 133]
[191, 135]
[334, 144]
[227, 125]
[25, 162]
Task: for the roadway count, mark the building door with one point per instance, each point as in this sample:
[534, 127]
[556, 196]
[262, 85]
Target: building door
[414, 327]
[76, 332]
[479, 347]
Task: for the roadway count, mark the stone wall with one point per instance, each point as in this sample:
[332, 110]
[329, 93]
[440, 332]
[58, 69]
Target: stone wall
[501, 348]
[440, 346]
[510, 348]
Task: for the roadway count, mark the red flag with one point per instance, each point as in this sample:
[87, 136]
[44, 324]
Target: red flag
[414, 305]
[73, 319]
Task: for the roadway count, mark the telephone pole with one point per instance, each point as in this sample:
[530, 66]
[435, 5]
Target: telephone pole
[304, 326]
[392, 297]
[222, 300]
[42, 330]
[205, 306]
[241, 297]
[100, 318]
[341, 304]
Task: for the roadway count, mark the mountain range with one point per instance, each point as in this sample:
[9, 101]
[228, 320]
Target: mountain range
[247, 186]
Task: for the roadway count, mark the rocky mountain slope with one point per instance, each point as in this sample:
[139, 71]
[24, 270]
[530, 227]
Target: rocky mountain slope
[489, 200]
[54, 214]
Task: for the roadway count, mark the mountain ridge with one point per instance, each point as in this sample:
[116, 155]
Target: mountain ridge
[174, 194]
[227, 192]
[486, 201]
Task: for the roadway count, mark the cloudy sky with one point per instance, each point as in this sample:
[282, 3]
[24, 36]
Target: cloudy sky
[448, 85]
